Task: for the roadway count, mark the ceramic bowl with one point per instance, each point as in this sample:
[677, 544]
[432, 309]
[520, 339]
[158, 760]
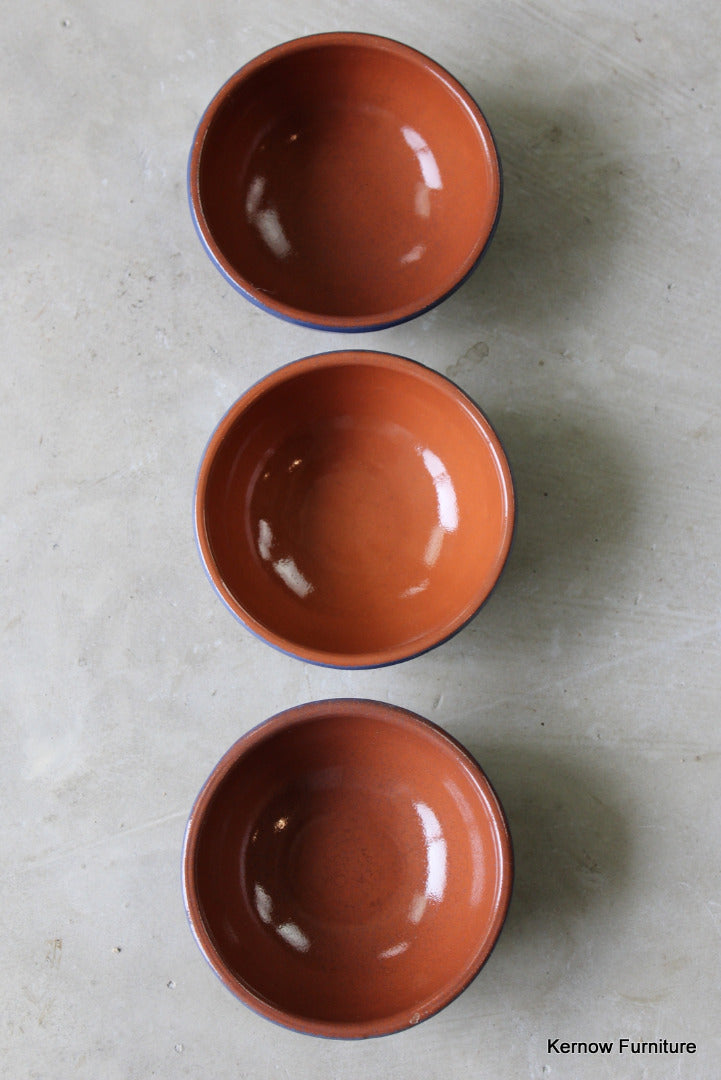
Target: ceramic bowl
[344, 181]
[354, 509]
[347, 869]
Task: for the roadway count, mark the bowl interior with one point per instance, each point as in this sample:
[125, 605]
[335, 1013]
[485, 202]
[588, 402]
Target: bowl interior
[345, 177]
[354, 509]
[351, 868]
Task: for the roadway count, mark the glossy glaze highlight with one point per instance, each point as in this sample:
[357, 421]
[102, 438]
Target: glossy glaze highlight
[344, 181]
[347, 868]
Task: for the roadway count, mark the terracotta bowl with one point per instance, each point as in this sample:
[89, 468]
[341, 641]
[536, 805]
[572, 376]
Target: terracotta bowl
[344, 181]
[354, 509]
[347, 869]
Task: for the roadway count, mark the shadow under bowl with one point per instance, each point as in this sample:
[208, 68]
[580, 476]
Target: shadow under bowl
[347, 869]
[354, 509]
[344, 181]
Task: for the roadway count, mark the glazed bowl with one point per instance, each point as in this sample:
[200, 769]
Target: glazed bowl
[354, 509]
[347, 869]
[344, 181]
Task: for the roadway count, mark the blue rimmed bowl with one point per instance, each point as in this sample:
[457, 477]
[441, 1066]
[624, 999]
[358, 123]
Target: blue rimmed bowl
[344, 181]
[354, 509]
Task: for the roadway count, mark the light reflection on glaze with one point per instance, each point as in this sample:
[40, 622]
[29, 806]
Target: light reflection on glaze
[431, 181]
[288, 572]
[289, 931]
[447, 506]
[394, 950]
[263, 904]
[423, 200]
[294, 936]
[424, 156]
[445, 491]
[434, 545]
[436, 852]
[436, 862]
[415, 590]
[266, 219]
[419, 903]
[265, 540]
[416, 253]
[285, 567]
[474, 837]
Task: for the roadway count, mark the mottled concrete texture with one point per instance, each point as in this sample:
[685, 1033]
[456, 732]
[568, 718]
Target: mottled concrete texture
[589, 685]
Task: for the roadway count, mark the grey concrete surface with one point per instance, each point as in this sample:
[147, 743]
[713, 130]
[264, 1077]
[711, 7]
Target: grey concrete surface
[589, 687]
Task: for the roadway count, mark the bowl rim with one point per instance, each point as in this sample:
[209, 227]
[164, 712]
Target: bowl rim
[375, 658]
[383, 712]
[289, 312]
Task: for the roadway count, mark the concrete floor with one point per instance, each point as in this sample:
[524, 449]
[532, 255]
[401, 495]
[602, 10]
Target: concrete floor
[589, 685]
